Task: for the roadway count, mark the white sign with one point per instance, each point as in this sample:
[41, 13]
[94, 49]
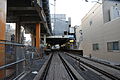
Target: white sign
[72, 30]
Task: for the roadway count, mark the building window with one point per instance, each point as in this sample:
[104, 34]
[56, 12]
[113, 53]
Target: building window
[80, 32]
[113, 46]
[90, 22]
[95, 46]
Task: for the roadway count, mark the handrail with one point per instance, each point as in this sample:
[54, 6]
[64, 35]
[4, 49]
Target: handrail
[10, 43]
[7, 65]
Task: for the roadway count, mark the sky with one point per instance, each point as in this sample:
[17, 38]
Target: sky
[76, 9]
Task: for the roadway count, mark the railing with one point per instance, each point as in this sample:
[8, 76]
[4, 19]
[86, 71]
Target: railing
[15, 59]
[12, 62]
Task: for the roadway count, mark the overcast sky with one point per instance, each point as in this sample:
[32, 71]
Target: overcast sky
[76, 9]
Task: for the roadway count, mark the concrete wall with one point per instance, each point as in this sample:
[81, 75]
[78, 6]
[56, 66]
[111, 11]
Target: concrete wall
[96, 29]
[91, 31]
[111, 33]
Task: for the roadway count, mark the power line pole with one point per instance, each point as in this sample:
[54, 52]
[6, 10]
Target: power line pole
[54, 15]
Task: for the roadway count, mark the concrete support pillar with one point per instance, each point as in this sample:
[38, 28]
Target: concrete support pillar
[18, 33]
[38, 37]
[44, 39]
[3, 6]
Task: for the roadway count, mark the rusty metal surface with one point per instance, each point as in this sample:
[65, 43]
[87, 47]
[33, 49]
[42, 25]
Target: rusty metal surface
[2, 33]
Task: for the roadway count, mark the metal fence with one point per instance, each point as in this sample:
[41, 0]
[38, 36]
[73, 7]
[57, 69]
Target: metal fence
[12, 59]
[31, 54]
[15, 59]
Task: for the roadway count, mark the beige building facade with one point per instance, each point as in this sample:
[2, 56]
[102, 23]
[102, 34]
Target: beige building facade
[101, 31]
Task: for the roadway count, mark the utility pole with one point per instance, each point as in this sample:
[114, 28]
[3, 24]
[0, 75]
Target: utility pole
[54, 15]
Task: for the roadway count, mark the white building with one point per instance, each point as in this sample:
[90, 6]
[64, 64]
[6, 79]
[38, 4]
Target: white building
[101, 31]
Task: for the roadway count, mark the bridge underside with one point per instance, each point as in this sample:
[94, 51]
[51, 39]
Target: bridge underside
[54, 41]
[33, 15]
[28, 13]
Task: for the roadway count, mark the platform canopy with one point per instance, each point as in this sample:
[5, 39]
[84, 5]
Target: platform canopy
[53, 40]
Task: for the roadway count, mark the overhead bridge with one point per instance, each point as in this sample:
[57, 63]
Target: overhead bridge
[53, 40]
[28, 13]
[34, 17]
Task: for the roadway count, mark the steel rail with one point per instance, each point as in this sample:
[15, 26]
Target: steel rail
[97, 69]
[115, 67]
[46, 69]
[101, 63]
[71, 74]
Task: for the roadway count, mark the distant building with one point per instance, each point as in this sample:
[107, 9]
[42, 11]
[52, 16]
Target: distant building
[60, 24]
[101, 31]
[10, 32]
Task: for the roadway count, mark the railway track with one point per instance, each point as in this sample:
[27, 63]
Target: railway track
[57, 68]
[111, 72]
[71, 71]
[71, 74]
[115, 67]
